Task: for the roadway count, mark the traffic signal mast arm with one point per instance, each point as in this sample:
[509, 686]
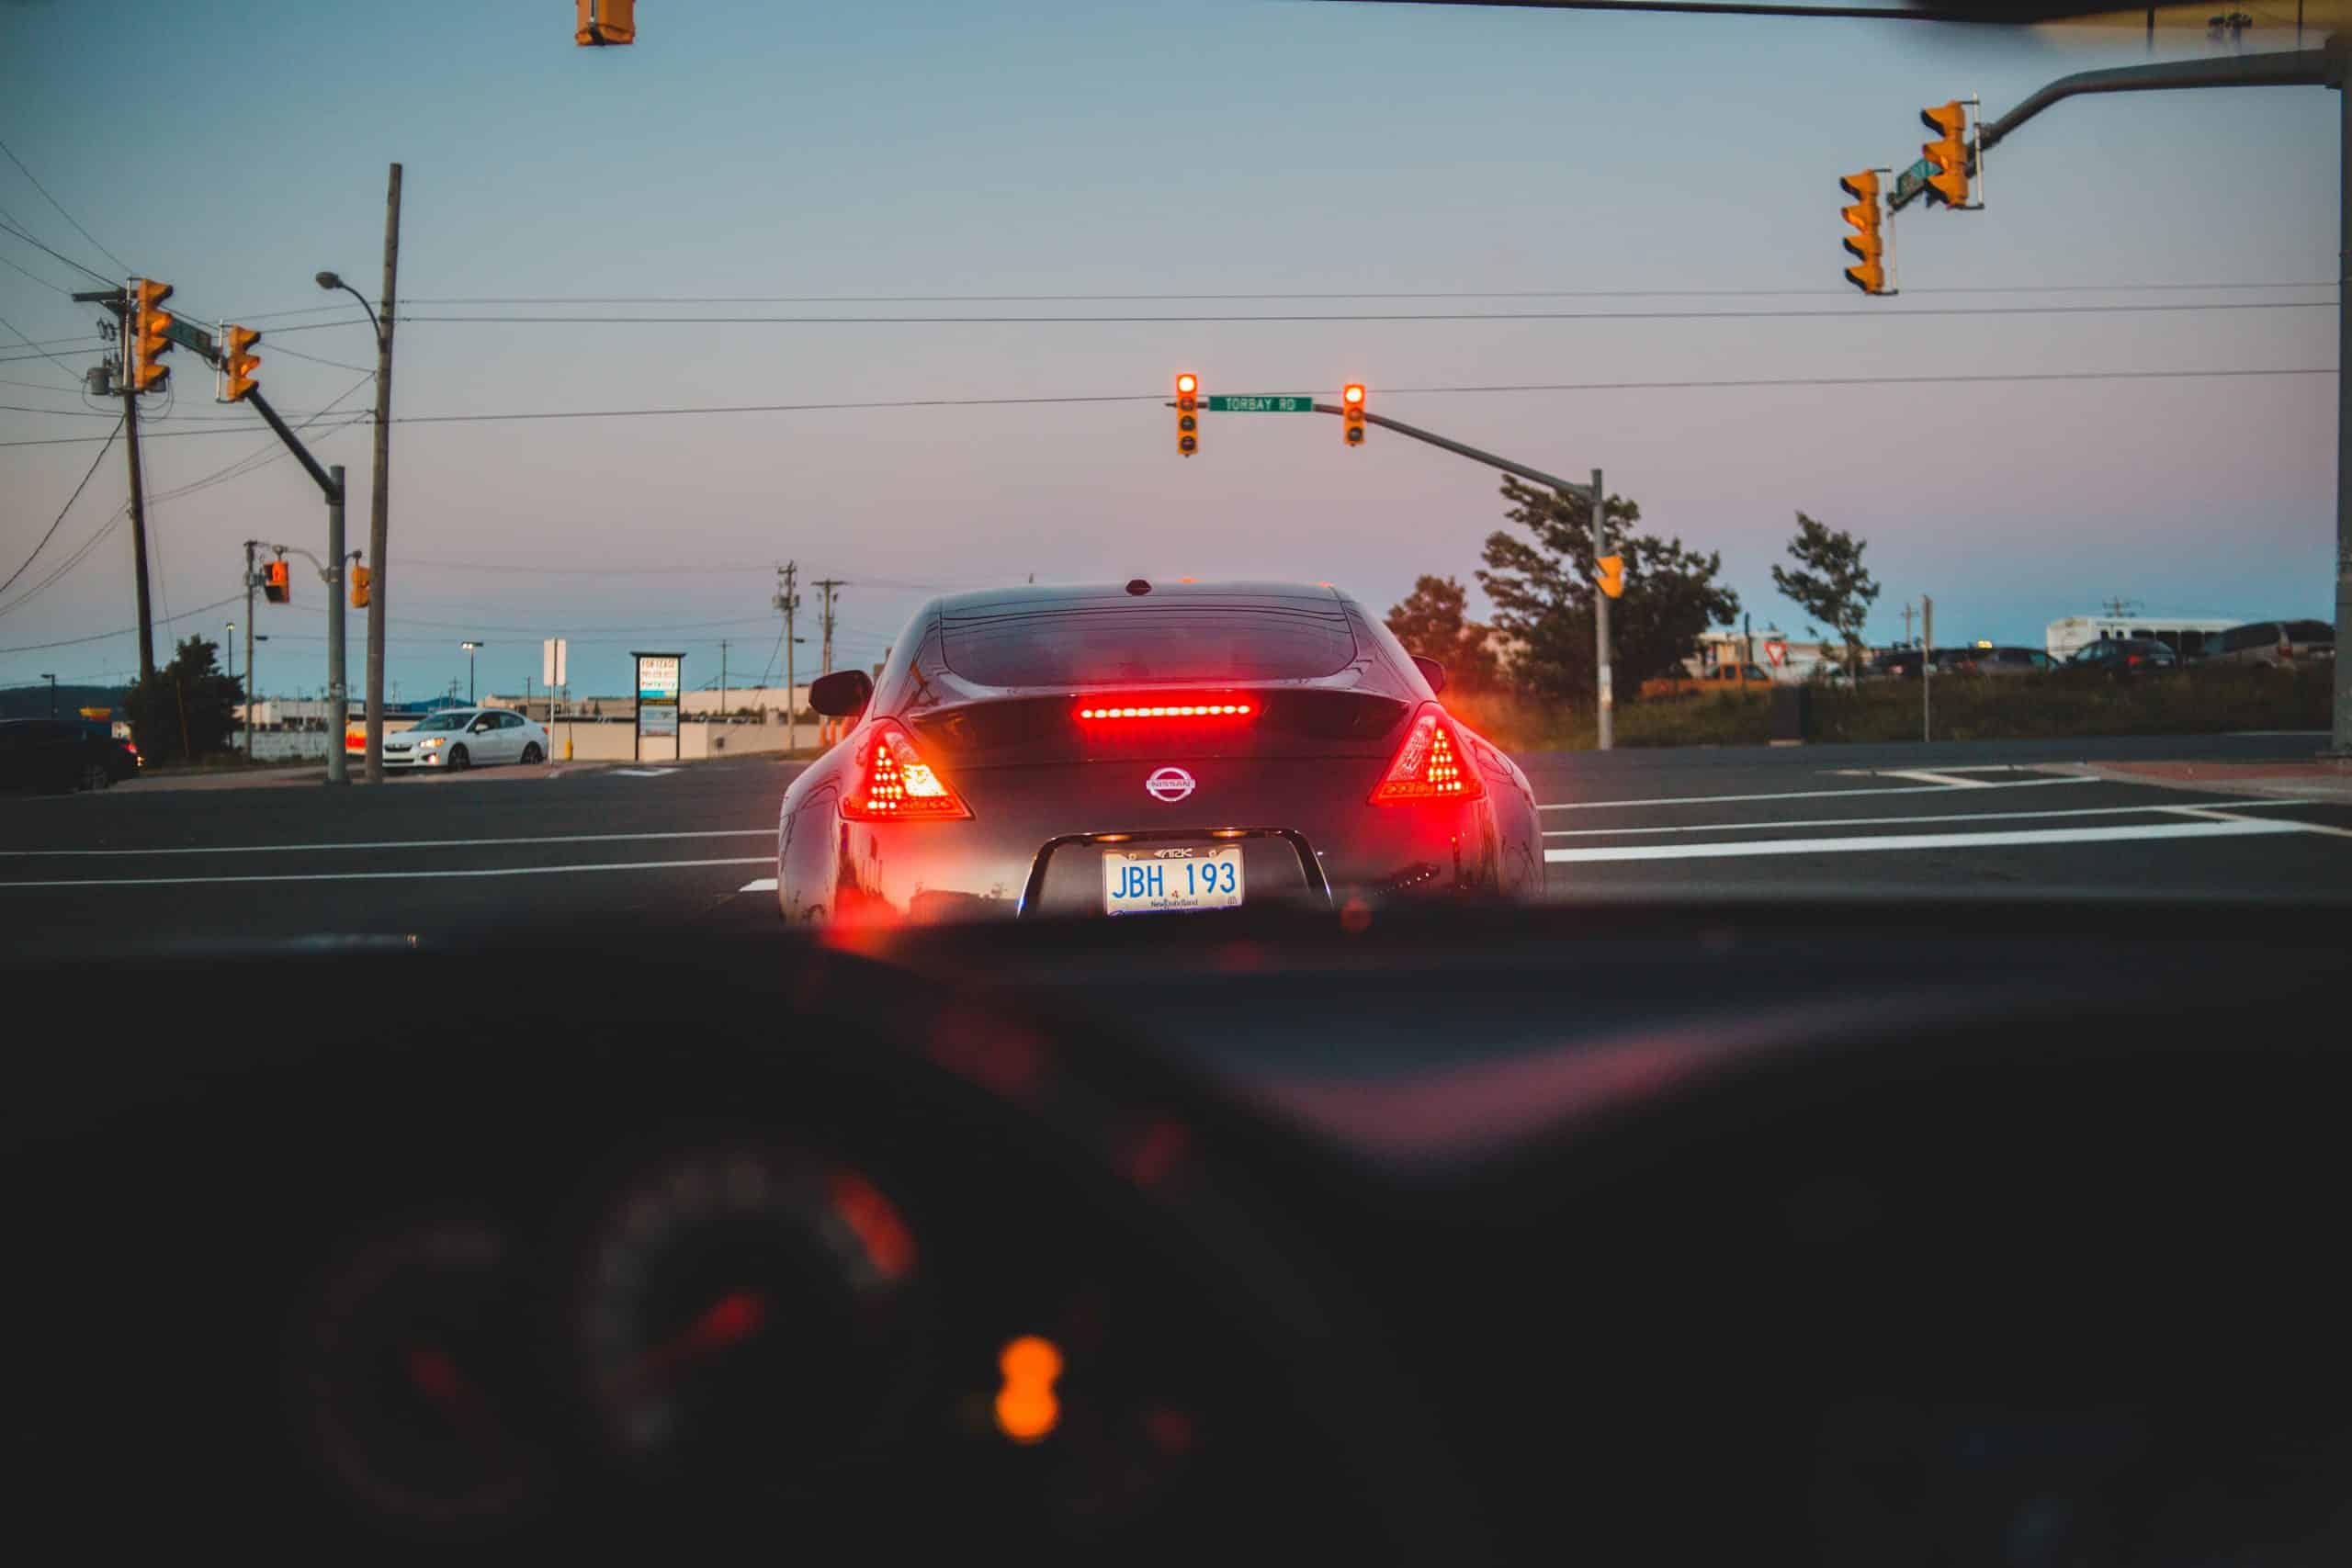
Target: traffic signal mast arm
[1535, 476]
[332, 490]
[2289, 68]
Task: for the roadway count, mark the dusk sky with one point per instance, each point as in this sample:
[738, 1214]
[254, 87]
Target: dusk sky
[1095, 161]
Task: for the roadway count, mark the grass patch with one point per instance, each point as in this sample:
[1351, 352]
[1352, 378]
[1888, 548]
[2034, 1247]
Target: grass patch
[2062, 704]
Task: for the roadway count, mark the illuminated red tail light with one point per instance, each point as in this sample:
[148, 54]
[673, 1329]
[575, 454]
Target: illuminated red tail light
[1097, 710]
[1432, 764]
[893, 784]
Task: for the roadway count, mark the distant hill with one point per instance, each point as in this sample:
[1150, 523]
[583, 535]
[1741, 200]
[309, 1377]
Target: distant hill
[33, 702]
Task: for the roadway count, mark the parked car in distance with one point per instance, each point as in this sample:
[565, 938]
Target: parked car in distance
[2124, 659]
[56, 756]
[2281, 645]
[1895, 664]
[1721, 678]
[1995, 661]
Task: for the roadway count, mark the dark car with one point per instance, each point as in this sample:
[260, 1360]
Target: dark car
[1897, 664]
[58, 755]
[1995, 660]
[2281, 645]
[1147, 748]
[2123, 658]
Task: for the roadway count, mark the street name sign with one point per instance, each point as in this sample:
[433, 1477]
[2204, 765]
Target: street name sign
[1238, 403]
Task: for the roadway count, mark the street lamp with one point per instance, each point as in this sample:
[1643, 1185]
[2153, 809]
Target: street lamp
[232, 646]
[379, 502]
[471, 648]
[52, 692]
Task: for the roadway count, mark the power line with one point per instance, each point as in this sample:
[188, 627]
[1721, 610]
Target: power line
[558, 300]
[297, 354]
[1292, 319]
[1162, 397]
[123, 631]
[51, 357]
[37, 277]
[60, 513]
[69, 261]
[117, 261]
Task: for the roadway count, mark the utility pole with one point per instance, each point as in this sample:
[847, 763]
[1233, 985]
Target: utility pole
[787, 601]
[1607, 737]
[722, 679]
[1926, 664]
[249, 648]
[379, 497]
[138, 520]
[338, 692]
[1906, 625]
[829, 586]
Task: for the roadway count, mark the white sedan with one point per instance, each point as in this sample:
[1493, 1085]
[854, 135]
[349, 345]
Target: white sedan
[457, 738]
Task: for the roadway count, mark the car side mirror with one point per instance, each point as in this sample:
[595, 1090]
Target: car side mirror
[1431, 672]
[840, 694]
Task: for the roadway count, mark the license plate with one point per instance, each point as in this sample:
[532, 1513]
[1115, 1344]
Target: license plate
[1149, 881]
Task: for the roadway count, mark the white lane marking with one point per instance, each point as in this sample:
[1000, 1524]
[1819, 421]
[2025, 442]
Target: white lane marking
[2216, 815]
[1813, 794]
[642, 773]
[1958, 768]
[385, 875]
[758, 884]
[2244, 827]
[1924, 775]
[411, 843]
[1891, 822]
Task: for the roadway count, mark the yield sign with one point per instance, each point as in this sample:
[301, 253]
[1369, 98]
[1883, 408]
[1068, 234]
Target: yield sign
[1776, 650]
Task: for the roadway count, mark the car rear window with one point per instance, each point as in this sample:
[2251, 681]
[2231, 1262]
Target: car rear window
[2310, 631]
[1083, 645]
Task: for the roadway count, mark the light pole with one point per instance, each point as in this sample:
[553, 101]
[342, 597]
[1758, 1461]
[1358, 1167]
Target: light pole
[232, 646]
[52, 692]
[471, 648]
[380, 484]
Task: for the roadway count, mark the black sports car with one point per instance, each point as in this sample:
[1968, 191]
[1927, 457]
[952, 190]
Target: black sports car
[1147, 748]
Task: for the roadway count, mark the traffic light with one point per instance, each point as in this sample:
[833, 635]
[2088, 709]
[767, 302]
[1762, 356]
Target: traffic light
[1352, 412]
[1865, 242]
[1948, 152]
[1611, 575]
[149, 341]
[360, 579]
[607, 21]
[238, 362]
[1188, 413]
[276, 583]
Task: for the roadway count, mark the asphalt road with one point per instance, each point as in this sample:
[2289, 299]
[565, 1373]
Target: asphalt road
[660, 849]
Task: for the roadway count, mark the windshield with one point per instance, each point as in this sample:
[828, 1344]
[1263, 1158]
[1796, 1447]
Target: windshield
[1093, 645]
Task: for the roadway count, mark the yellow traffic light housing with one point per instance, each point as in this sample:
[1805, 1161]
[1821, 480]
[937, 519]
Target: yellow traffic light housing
[1948, 152]
[360, 579]
[1611, 575]
[276, 582]
[607, 21]
[1352, 412]
[238, 363]
[1865, 242]
[150, 339]
[1188, 413]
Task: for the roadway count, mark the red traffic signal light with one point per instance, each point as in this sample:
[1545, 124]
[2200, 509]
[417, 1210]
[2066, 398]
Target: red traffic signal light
[1865, 242]
[150, 339]
[1352, 412]
[1948, 152]
[1188, 413]
[276, 582]
[238, 363]
[607, 21]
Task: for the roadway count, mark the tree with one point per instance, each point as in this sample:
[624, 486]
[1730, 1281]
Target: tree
[1831, 587]
[1432, 623]
[1543, 592]
[189, 709]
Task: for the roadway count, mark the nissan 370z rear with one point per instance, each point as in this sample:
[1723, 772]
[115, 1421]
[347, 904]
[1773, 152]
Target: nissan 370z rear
[1148, 750]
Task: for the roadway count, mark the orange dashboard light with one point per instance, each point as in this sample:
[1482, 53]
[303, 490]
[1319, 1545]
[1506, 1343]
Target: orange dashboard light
[1027, 1410]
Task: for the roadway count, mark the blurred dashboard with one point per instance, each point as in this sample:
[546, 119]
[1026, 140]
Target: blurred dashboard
[1650, 1235]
